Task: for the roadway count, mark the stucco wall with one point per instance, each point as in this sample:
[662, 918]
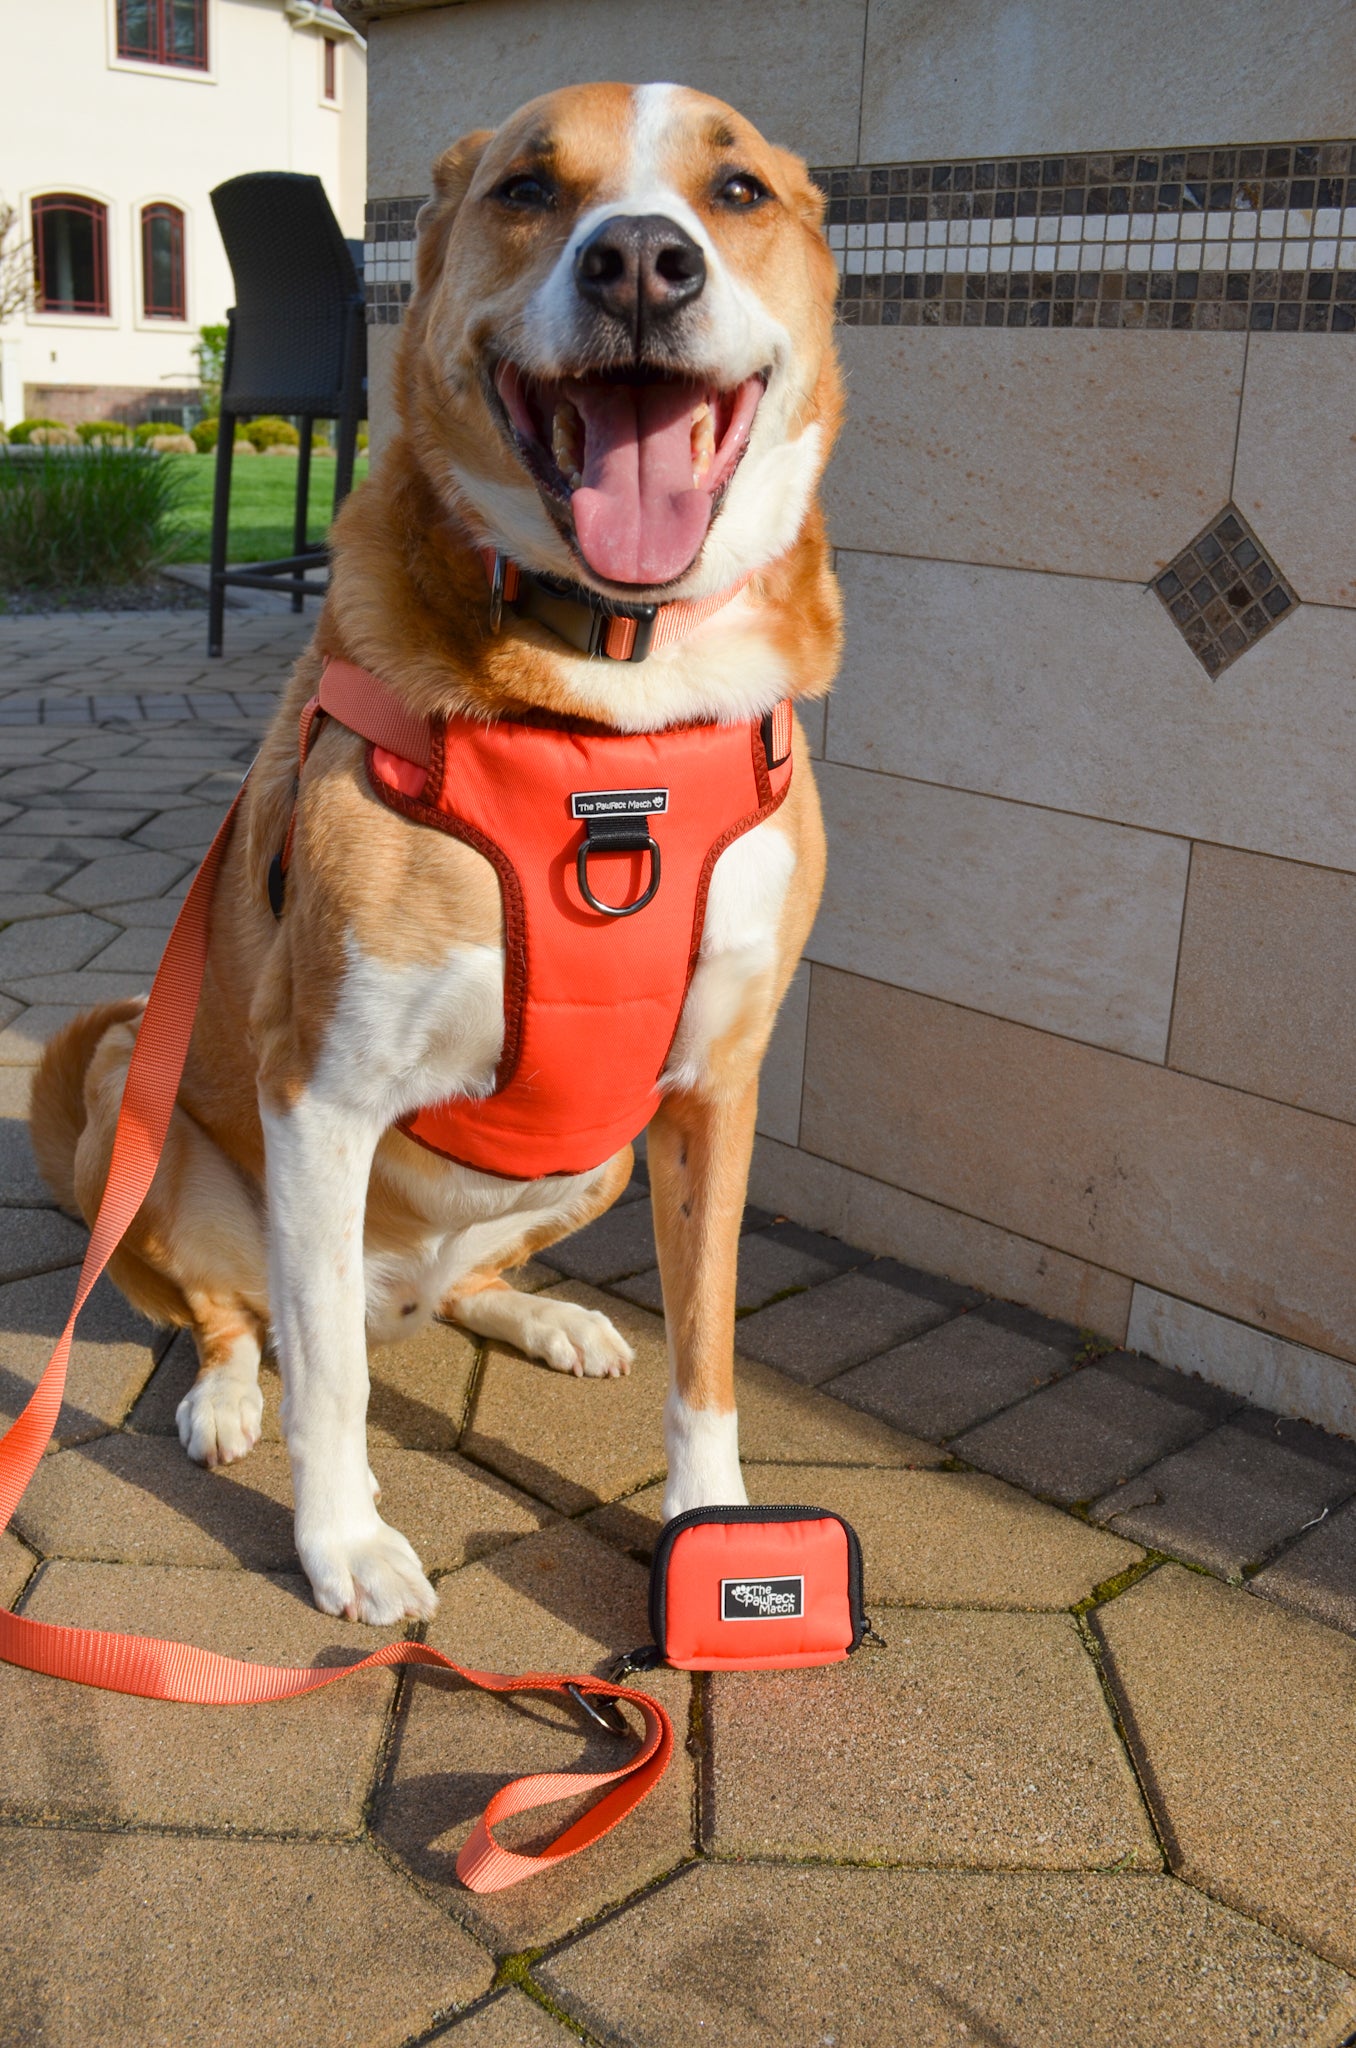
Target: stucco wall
[78, 120]
[1076, 1021]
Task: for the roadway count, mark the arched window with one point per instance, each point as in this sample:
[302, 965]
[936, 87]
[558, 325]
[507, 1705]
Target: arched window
[162, 262]
[70, 248]
[164, 32]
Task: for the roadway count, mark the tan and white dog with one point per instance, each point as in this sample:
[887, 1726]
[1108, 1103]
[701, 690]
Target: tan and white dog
[617, 369]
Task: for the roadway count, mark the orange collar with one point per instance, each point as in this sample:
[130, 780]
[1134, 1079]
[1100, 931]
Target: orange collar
[592, 624]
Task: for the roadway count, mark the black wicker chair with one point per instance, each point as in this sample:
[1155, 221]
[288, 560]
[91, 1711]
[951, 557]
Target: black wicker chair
[296, 344]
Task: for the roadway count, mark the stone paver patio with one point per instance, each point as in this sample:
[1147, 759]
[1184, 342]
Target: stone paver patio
[1099, 1788]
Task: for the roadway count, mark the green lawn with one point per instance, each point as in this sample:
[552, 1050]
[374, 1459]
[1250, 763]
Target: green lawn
[263, 491]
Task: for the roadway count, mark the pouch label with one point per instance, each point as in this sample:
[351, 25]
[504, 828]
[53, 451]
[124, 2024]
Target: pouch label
[761, 1599]
[618, 803]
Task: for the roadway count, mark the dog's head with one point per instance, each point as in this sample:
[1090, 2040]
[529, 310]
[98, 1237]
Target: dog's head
[618, 364]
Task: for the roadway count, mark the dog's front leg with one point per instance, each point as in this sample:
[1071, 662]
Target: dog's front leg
[699, 1154]
[319, 1157]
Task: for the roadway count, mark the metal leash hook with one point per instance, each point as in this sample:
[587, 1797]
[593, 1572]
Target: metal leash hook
[497, 591]
[600, 1709]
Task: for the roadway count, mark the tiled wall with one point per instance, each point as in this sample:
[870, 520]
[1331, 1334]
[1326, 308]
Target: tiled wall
[1078, 1020]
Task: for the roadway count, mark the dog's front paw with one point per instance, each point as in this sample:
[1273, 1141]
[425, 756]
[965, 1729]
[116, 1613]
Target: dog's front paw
[220, 1417]
[559, 1333]
[373, 1577]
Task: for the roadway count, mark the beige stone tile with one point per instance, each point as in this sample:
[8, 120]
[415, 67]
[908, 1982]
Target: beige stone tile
[575, 1442]
[1267, 984]
[974, 1740]
[1093, 454]
[1265, 1369]
[83, 988]
[1298, 426]
[433, 76]
[558, 1602]
[75, 1753]
[16, 1568]
[1155, 1173]
[382, 343]
[1062, 922]
[1243, 1721]
[962, 80]
[987, 688]
[139, 1500]
[933, 1958]
[779, 1081]
[110, 1359]
[143, 1941]
[513, 2021]
[784, 1423]
[887, 1219]
[417, 1402]
[27, 1032]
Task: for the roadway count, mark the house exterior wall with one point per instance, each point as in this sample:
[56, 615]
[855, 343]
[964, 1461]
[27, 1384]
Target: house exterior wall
[127, 134]
[1076, 1022]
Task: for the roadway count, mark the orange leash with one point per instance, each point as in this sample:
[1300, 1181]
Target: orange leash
[157, 1670]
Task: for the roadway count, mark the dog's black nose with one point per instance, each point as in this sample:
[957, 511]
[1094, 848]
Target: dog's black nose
[640, 268]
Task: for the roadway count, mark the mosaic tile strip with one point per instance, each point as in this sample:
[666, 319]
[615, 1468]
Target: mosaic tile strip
[1224, 592]
[1260, 237]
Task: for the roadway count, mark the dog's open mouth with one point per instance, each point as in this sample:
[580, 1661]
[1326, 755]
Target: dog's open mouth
[639, 463]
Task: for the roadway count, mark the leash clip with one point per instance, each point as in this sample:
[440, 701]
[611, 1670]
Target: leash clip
[497, 577]
[603, 1710]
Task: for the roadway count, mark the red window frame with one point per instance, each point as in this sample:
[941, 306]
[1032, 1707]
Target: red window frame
[331, 69]
[45, 206]
[154, 35]
[151, 217]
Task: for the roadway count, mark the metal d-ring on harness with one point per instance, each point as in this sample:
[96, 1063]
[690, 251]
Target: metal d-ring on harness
[617, 821]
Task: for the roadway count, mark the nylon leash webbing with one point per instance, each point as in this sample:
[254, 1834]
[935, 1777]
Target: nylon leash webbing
[150, 1668]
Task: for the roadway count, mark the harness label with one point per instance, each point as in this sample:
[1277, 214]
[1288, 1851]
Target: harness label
[761, 1599]
[618, 803]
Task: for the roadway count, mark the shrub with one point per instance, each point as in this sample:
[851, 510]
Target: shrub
[362, 440]
[53, 437]
[244, 447]
[19, 435]
[148, 430]
[102, 430]
[171, 444]
[106, 519]
[271, 432]
[210, 349]
[204, 435]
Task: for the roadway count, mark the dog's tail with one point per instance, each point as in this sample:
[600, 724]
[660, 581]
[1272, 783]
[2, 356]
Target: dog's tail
[56, 1108]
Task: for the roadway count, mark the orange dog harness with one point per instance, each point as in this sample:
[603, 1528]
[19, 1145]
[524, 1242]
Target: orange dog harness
[604, 844]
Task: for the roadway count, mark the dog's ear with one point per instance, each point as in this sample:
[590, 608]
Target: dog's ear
[803, 195]
[452, 175]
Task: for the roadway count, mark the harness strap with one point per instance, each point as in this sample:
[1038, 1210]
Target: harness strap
[160, 1670]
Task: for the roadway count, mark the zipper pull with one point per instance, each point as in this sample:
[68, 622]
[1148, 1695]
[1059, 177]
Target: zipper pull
[869, 1635]
[647, 1658]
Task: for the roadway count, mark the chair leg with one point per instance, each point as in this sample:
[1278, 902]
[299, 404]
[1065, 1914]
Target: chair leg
[221, 513]
[345, 453]
[303, 499]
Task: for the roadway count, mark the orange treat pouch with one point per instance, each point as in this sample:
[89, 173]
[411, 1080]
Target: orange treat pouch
[756, 1589]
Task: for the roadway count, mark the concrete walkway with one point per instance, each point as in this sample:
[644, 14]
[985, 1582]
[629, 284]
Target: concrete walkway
[1099, 1788]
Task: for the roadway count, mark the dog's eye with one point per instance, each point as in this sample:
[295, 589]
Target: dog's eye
[533, 194]
[742, 191]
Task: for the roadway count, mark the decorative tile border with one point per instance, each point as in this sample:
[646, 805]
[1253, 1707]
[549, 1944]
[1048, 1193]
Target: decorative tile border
[1261, 237]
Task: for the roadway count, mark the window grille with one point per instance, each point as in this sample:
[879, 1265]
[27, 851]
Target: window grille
[331, 68]
[70, 247]
[172, 32]
[162, 263]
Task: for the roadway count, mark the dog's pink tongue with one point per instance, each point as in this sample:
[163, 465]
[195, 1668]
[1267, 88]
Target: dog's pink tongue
[637, 516]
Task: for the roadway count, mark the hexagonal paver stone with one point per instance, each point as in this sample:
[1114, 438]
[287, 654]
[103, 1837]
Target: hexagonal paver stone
[1227, 1501]
[822, 1332]
[556, 1602]
[140, 1500]
[1317, 1574]
[769, 1267]
[121, 876]
[48, 945]
[417, 1401]
[575, 1442]
[782, 1421]
[38, 1240]
[512, 2020]
[150, 1941]
[973, 1739]
[110, 1359]
[1244, 1723]
[862, 1958]
[17, 1566]
[620, 1242]
[23, 1038]
[1091, 1431]
[74, 1753]
[943, 1381]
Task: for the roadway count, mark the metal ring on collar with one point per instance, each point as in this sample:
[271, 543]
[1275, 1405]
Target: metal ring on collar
[615, 909]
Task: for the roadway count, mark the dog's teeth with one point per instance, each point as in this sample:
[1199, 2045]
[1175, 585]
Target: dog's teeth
[566, 427]
[703, 442]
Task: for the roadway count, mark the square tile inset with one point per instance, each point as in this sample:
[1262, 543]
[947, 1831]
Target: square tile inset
[1224, 592]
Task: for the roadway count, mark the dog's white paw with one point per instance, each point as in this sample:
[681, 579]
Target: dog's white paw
[559, 1333]
[220, 1417]
[373, 1576]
